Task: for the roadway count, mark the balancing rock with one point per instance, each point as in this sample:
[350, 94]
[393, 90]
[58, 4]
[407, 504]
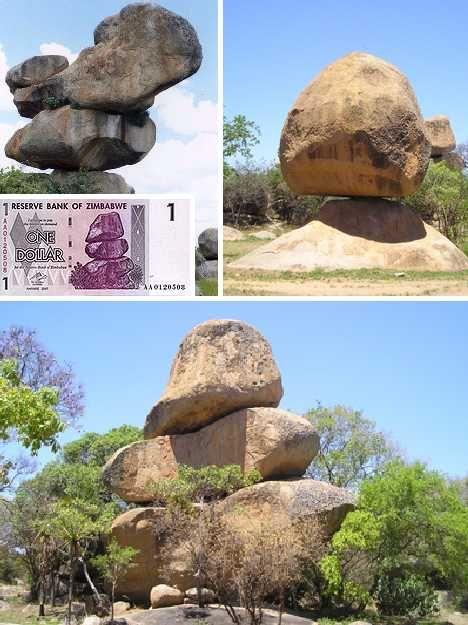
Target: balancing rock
[355, 130]
[221, 366]
[68, 138]
[275, 442]
[440, 134]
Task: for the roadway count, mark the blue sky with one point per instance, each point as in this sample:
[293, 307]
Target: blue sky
[184, 159]
[273, 50]
[402, 363]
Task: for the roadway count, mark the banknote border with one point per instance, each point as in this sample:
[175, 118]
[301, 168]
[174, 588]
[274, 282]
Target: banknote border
[123, 196]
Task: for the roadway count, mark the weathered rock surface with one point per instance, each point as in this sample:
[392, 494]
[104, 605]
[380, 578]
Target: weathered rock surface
[440, 135]
[221, 366]
[163, 596]
[107, 250]
[68, 138]
[106, 227]
[298, 500]
[356, 130]
[212, 615]
[139, 52]
[276, 442]
[136, 528]
[35, 70]
[120, 607]
[95, 182]
[208, 243]
[356, 234]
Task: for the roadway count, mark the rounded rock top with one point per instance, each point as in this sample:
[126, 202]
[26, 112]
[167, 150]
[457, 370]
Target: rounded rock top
[355, 130]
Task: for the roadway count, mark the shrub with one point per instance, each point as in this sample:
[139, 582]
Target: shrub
[405, 596]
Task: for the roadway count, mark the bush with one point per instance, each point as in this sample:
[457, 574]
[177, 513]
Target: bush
[405, 596]
[15, 180]
[442, 200]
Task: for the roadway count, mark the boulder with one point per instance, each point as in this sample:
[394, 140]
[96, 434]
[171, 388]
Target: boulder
[120, 607]
[276, 442]
[107, 250]
[232, 234]
[357, 234]
[99, 608]
[90, 182]
[35, 70]
[452, 160]
[92, 620]
[440, 135]
[106, 227]
[163, 596]
[297, 500]
[222, 366]
[139, 53]
[208, 243]
[355, 130]
[211, 269]
[68, 138]
[153, 564]
[208, 596]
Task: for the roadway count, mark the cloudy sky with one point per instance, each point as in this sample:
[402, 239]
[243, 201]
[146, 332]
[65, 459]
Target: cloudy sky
[184, 159]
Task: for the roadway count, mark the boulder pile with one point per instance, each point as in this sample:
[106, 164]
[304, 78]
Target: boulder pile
[220, 407]
[206, 255]
[356, 132]
[92, 115]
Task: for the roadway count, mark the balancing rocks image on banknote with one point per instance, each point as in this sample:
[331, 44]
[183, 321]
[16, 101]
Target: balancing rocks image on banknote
[83, 245]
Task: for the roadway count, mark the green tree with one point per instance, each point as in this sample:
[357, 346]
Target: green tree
[442, 200]
[351, 450]
[409, 524]
[113, 564]
[240, 136]
[96, 449]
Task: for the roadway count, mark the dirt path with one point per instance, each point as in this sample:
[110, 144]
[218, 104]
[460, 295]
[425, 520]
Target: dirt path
[348, 287]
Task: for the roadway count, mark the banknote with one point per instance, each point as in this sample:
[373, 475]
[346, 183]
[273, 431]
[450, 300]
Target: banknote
[97, 245]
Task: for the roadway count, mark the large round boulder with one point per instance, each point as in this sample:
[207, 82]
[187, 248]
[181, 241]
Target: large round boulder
[359, 234]
[355, 130]
[69, 138]
[275, 442]
[440, 135]
[222, 366]
[164, 596]
[208, 243]
[139, 52]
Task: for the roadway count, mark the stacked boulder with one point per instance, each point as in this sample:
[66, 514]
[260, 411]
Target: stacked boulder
[206, 256]
[443, 142]
[92, 115]
[356, 132]
[220, 408]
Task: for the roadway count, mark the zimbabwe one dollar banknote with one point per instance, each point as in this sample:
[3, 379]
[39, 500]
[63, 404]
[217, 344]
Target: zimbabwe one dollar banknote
[83, 245]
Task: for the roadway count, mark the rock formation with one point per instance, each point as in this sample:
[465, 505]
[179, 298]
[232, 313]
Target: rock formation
[92, 115]
[443, 142]
[206, 255]
[219, 408]
[356, 132]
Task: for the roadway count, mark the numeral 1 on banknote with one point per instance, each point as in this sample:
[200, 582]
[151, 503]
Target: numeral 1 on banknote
[83, 245]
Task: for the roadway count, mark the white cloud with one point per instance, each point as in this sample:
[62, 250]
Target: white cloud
[177, 110]
[58, 48]
[6, 98]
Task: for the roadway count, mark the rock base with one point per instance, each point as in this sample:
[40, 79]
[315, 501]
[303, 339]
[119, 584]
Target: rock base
[211, 615]
[356, 234]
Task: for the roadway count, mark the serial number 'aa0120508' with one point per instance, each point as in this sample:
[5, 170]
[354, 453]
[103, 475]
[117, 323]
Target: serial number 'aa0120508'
[165, 287]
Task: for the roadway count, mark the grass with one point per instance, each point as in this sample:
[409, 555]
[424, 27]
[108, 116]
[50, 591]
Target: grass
[15, 613]
[235, 249]
[353, 274]
[208, 286]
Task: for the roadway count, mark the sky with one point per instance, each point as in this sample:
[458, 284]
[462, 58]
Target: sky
[402, 363]
[184, 159]
[273, 50]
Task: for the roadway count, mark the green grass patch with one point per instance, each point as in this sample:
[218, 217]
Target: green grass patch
[377, 275]
[208, 287]
[235, 249]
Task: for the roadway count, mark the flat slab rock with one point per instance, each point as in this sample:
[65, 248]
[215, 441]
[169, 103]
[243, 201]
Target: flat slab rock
[358, 234]
[213, 615]
[276, 442]
[139, 52]
[355, 130]
[222, 366]
[68, 138]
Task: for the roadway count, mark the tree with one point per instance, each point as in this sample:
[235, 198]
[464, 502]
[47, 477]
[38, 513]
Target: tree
[96, 449]
[113, 565]
[442, 199]
[37, 368]
[184, 519]
[351, 450]
[240, 136]
[409, 524]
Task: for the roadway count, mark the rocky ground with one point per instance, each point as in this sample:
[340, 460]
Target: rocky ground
[328, 283]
